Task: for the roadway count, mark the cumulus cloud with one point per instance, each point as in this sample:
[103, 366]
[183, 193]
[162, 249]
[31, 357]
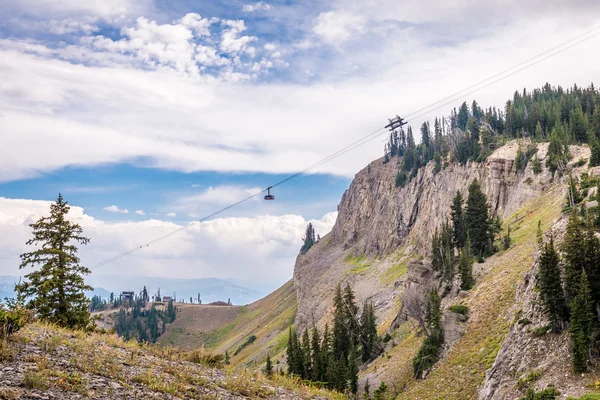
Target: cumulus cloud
[258, 249]
[140, 212]
[115, 209]
[259, 6]
[337, 27]
[231, 41]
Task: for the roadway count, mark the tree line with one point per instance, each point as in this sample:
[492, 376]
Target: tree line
[142, 324]
[332, 357]
[569, 285]
[552, 114]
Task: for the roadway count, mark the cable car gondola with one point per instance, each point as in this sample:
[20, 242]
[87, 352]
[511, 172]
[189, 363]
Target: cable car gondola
[269, 196]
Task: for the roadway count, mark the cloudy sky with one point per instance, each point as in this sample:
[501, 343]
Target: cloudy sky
[148, 114]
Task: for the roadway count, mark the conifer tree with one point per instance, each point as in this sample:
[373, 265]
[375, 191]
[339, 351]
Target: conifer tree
[463, 116]
[367, 389]
[341, 339]
[465, 267]
[582, 323]
[56, 287]
[595, 157]
[269, 366]
[309, 239]
[351, 316]
[551, 291]
[459, 234]
[477, 221]
[317, 357]
[353, 370]
[592, 268]
[368, 330]
[574, 255]
[306, 353]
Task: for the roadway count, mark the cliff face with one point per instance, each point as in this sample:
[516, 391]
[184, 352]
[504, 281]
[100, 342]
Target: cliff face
[380, 226]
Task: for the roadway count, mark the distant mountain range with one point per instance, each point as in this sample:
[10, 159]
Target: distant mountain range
[210, 289]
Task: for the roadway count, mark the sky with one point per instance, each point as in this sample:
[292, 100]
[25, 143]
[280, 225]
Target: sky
[148, 114]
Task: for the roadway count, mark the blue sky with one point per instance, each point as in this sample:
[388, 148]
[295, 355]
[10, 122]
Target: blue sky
[149, 114]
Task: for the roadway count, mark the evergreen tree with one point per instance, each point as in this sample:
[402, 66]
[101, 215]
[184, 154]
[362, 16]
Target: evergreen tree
[306, 353]
[380, 392]
[145, 297]
[227, 360]
[318, 373]
[595, 157]
[56, 287]
[351, 315]
[368, 328]
[459, 234]
[309, 239]
[574, 255]
[592, 267]
[582, 323]
[551, 291]
[434, 336]
[353, 370]
[341, 338]
[269, 366]
[477, 222]
[367, 389]
[465, 267]
[463, 116]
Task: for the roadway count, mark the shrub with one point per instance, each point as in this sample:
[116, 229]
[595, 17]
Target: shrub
[541, 331]
[524, 321]
[12, 321]
[401, 179]
[205, 358]
[549, 393]
[387, 337]
[532, 376]
[581, 162]
[248, 342]
[459, 309]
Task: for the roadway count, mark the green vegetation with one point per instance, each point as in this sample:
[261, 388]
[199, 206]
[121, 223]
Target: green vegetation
[143, 324]
[393, 273]
[309, 239]
[549, 393]
[55, 289]
[434, 336]
[332, 358]
[459, 309]
[530, 377]
[247, 343]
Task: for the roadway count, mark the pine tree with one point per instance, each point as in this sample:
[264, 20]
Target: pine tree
[582, 323]
[459, 234]
[317, 357]
[351, 315]
[574, 255]
[380, 392]
[227, 360]
[269, 366]
[56, 287]
[367, 388]
[463, 116]
[309, 239]
[595, 157]
[341, 339]
[539, 236]
[306, 353]
[477, 221]
[551, 291]
[353, 370]
[465, 267]
[592, 267]
[368, 328]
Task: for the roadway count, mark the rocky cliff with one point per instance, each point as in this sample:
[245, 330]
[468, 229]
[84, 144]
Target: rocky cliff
[381, 225]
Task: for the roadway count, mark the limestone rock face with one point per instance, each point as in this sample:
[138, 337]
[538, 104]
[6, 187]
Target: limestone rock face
[379, 224]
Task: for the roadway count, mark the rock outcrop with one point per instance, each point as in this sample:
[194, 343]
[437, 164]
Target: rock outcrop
[382, 223]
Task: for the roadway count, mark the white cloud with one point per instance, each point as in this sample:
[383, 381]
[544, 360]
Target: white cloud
[219, 195]
[337, 27]
[171, 214]
[140, 212]
[231, 41]
[259, 6]
[109, 110]
[104, 8]
[115, 209]
[259, 249]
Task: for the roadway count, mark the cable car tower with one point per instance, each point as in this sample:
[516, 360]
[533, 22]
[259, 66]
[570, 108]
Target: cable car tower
[395, 123]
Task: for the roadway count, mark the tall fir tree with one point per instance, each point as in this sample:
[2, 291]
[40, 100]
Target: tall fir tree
[269, 366]
[341, 338]
[353, 370]
[582, 323]
[56, 287]
[309, 239]
[368, 328]
[463, 116]
[459, 234]
[477, 221]
[465, 266]
[551, 291]
[574, 255]
[318, 373]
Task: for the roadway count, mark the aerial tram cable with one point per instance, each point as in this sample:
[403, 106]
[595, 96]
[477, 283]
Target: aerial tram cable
[396, 121]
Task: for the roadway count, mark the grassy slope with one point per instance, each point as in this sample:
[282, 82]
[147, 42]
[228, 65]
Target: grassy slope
[268, 319]
[45, 359]
[460, 374]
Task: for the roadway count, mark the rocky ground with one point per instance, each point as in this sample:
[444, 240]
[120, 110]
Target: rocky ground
[45, 362]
